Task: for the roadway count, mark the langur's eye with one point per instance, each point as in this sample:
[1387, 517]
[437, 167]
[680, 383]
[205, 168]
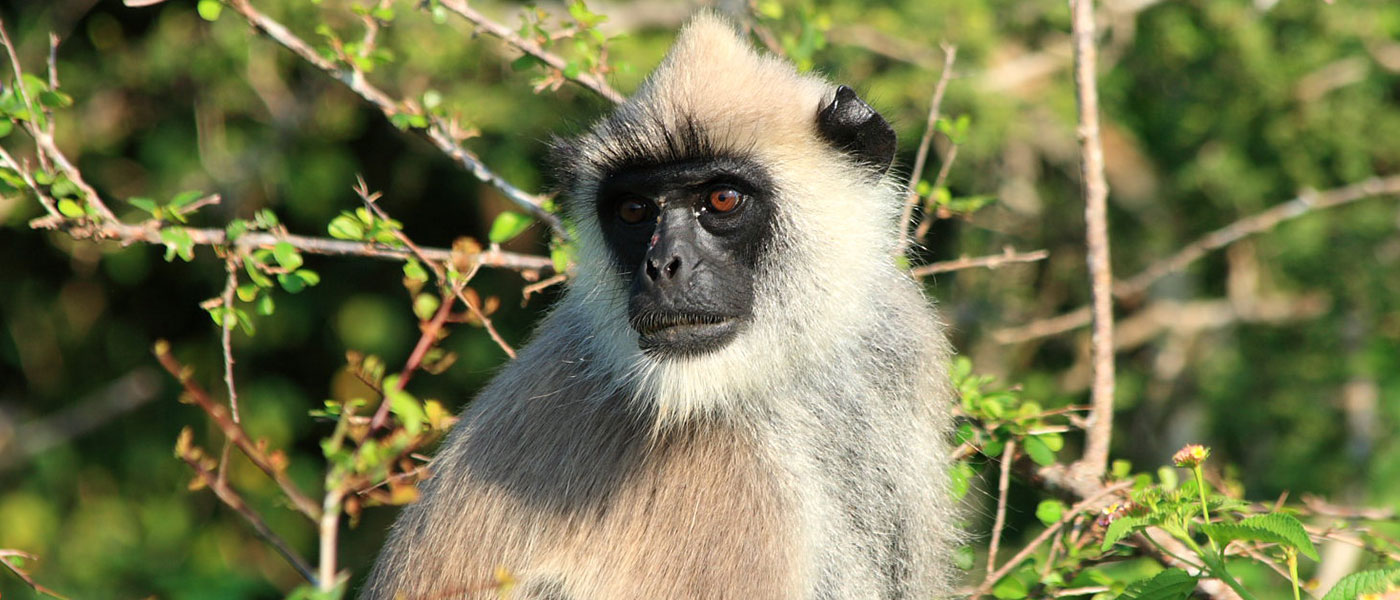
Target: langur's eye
[723, 200]
[633, 211]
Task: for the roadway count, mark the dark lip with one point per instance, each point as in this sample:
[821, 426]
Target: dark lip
[669, 335]
[650, 323]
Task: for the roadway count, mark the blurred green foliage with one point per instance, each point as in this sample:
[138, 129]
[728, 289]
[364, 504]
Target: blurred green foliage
[1214, 110]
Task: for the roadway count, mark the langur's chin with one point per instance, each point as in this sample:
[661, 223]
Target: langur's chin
[685, 336]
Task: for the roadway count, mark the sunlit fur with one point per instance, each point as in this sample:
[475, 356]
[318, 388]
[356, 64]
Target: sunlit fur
[803, 460]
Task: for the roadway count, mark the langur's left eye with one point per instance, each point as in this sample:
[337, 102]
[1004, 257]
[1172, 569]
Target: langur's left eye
[723, 200]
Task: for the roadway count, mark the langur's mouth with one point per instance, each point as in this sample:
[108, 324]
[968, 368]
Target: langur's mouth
[683, 334]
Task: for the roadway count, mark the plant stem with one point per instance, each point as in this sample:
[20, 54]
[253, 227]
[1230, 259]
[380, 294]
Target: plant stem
[1215, 564]
[1292, 554]
[1205, 510]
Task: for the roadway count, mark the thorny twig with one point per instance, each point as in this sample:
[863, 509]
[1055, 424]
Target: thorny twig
[436, 131]
[950, 54]
[235, 432]
[230, 498]
[590, 81]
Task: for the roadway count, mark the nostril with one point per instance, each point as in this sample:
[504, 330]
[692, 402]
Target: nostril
[673, 267]
[652, 272]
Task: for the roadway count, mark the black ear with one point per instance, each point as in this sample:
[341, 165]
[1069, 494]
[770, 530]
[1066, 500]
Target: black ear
[856, 129]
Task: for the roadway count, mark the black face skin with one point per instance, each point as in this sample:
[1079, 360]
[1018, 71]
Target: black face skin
[691, 257]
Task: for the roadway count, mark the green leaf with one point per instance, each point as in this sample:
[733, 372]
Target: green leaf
[1049, 511]
[308, 276]
[145, 204]
[6, 126]
[561, 256]
[264, 305]
[256, 274]
[185, 198]
[1277, 528]
[425, 305]
[525, 63]
[964, 558]
[247, 292]
[209, 10]
[404, 405]
[1168, 477]
[287, 256]
[52, 99]
[291, 282]
[508, 225]
[414, 271]
[1121, 469]
[1039, 452]
[1010, 588]
[962, 474]
[1171, 584]
[346, 227]
[70, 208]
[383, 13]
[1364, 582]
[1119, 529]
[177, 242]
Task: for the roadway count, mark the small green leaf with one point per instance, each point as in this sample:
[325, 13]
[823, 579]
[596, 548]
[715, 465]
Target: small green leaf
[1049, 511]
[6, 126]
[256, 274]
[1010, 588]
[1171, 584]
[247, 292]
[962, 475]
[1364, 582]
[1168, 477]
[404, 405]
[1121, 469]
[508, 225]
[291, 283]
[346, 227]
[425, 305]
[383, 13]
[209, 10]
[1278, 528]
[70, 208]
[145, 204]
[1039, 452]
[308, 276]
[964, 558]
[287, 256]
[52, 99]
[264, 305]
[185, 198]
[414, 271]
[235, 229]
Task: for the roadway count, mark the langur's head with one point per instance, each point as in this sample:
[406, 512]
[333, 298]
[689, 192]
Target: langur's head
[728, 199]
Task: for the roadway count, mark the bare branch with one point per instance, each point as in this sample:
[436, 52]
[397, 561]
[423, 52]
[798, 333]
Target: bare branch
[437, 131]
[589, 81]
[950, 54]
[1008, 456]
[1260, 222]
[149, 232]
[6, 560]
[1095, 459]
[230, 498]
[235, 432]
[1008, 256]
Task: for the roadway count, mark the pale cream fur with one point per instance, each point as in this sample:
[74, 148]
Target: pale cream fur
[803, 460]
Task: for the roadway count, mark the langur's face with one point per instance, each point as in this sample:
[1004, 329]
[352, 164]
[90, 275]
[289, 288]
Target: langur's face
[687, 235]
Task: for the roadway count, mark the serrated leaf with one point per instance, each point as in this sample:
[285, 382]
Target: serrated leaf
[508, 225]
[1171, 584]
[1364, 582]
[1119, 529]
[1039, 452]
[1049, 511]
[1276, 528]
[287, 256]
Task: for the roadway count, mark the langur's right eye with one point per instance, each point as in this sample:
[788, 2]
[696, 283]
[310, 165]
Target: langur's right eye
[633, 211]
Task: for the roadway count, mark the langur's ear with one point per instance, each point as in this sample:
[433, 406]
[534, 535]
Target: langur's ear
[849, 124]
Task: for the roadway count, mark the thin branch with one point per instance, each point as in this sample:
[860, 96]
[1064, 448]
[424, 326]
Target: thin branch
[235, 433]
[950, 54]
[231, 499]
[1094, 461]
[95, 410]
[589, 81]
[437, 131]
[49, 205]
[329, 529]
[1030, 548]
[1008, 456]
[1260, 222]
[226, 321]
[540, 286]
[947, 167]
[1008, 256]
[6, 557]
[149, 232]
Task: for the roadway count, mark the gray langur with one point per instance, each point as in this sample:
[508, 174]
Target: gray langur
[740, 395]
